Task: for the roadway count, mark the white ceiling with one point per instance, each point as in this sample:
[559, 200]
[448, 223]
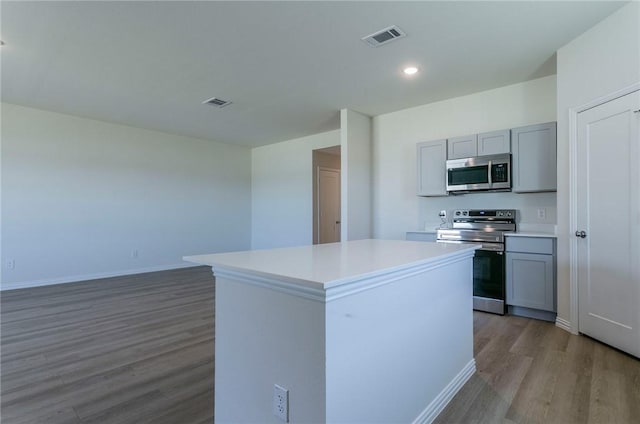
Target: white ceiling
[288, 67]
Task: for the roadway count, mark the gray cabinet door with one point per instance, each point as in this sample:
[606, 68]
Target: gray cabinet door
[494, 142]
[534, 158]
[431, 170]
[530, 281]
[462, 147]
[420, 236]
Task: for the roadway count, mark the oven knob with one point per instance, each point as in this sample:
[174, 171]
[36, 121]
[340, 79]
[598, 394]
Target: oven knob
[466, 213]
[500, 213]
[457, 213]
[509, 214]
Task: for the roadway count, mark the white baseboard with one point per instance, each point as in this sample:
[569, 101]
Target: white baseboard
[564, 324]
[438, 404]
[76, 278]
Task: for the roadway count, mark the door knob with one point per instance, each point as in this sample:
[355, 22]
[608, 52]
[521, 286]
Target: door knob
[581, 234]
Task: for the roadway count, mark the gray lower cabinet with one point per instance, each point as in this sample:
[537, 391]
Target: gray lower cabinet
[531, 277]
[421, 236]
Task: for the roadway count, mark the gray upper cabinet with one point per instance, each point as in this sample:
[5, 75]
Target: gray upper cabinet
[534, 158]
[462, 147]
[494, 142]
[431, 168]
[490, 143]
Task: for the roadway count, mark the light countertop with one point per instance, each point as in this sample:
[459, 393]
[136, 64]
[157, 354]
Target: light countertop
[530, 234]
[328, 265]
[507, 234]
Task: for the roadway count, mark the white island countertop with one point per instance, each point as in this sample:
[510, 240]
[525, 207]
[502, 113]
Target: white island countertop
[329, 265]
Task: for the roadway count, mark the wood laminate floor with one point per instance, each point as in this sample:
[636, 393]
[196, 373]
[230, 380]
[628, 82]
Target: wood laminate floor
[135, 349]
[531, 371]
[139, 349]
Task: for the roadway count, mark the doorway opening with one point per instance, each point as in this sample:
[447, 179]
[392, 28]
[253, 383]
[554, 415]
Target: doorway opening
[326, 195]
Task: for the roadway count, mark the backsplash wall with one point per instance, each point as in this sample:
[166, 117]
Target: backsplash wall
[527, 206]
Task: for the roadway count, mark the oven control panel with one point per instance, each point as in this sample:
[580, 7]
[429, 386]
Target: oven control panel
[485, 213]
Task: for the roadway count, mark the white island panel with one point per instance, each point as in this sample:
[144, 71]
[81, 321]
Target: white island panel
[265, 337]
[392, 350]
[345, 327]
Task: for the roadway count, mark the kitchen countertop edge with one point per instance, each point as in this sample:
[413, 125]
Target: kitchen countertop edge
[530, 234]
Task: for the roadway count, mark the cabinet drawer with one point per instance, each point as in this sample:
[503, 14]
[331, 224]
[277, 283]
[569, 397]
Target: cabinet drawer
[420, 236]
[530, 245]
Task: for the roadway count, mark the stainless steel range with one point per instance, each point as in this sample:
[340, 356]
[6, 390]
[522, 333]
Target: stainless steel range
[485, 228]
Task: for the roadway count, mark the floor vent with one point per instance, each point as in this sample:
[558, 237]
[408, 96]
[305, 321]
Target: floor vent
[384, 36]
[214, 101]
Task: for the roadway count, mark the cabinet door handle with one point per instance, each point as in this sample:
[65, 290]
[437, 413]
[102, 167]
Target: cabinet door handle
[581, 234]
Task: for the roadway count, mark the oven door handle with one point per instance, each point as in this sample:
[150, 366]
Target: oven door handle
[488, 246]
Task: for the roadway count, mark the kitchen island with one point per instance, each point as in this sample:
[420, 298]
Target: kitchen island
[359, 331]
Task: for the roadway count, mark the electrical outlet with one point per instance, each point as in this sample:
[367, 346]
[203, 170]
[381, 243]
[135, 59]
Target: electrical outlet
[281, 403]
[134, 253]
[542, 213]
[11, 264]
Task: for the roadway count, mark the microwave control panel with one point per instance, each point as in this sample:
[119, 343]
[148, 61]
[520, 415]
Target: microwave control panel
[500, 173]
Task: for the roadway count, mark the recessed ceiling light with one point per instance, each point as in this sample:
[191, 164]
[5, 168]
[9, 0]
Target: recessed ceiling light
[410, 70]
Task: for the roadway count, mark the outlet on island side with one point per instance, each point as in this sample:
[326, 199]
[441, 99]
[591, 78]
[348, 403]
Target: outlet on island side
[281, 403]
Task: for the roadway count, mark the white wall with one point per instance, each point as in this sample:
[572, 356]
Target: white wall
[282, 191]
[397, 209]
[604, 59]
[79, 195]
[356, 176]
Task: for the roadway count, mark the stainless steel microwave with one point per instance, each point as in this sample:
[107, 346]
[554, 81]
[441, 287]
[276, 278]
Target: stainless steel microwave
[491, 172]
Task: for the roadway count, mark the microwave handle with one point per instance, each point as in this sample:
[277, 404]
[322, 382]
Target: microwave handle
[490, 167]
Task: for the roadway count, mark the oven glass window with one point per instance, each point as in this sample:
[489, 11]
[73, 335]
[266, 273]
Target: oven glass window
[468, 175]
[488, 274]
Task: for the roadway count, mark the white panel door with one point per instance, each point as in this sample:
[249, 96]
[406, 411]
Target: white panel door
[608, 212]
[328, 205]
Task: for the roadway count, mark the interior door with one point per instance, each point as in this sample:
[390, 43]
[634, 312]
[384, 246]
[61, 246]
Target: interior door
[328, 205]
[608, 222]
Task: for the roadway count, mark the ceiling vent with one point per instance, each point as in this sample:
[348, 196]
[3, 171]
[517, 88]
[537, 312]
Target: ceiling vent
[384, 36]
[214, 101]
